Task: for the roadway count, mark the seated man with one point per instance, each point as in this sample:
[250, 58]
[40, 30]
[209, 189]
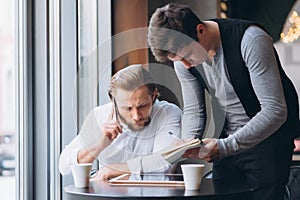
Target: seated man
[126, 134]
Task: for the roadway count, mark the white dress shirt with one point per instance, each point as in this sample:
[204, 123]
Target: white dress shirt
[139, 149]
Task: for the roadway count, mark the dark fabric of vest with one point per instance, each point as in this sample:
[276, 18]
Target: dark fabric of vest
[232, 31]
[292, 188]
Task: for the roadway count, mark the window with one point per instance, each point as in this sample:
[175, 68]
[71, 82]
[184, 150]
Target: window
[94, 53]
[7, 99]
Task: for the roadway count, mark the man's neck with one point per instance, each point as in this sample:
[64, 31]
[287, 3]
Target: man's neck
[214, 37]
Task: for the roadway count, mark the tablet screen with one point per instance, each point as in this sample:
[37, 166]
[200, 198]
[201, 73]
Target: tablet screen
[152, 177]
[148, 179]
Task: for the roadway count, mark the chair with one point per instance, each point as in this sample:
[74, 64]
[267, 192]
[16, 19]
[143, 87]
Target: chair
[167, 95]
[292, 191]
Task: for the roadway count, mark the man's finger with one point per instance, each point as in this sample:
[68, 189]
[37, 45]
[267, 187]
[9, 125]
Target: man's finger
[111, 114]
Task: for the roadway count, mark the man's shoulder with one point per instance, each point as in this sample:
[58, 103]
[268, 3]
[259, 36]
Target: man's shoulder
[164, 112]
[166, 106]
[254, 30]
[103, 108]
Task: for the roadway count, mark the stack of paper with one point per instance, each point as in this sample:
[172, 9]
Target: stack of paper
[174, 154]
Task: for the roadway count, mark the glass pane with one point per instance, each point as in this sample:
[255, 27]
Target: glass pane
[7, 99]
[87, 71]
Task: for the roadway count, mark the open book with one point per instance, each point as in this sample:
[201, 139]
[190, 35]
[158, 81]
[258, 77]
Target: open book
[173, 154]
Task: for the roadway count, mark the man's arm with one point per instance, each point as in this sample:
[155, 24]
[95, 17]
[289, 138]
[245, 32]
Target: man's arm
[91, 140]
[89, 154]
[76, 152]
[257, 51]
[110, 131]
[258, 54]
[68, 156]
[194, 113]
[111, 171]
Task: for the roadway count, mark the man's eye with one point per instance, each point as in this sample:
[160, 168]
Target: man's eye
[143, 106]
[126, 108]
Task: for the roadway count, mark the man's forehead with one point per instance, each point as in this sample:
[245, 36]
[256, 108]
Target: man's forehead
[192, 48]
[139, 93]
[180, 52]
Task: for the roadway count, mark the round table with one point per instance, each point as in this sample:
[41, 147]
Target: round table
[209, 190]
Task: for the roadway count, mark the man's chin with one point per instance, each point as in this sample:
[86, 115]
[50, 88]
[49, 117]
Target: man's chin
[139, 126]
[136, 127]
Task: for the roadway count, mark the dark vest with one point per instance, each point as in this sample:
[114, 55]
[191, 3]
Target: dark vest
[232, 31]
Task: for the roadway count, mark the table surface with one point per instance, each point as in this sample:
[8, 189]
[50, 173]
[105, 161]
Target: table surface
[209, 190]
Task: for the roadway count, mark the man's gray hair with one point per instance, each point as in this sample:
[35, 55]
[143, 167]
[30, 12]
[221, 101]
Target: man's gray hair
[131, 78]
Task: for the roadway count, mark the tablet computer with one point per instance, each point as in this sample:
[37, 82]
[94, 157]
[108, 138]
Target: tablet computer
[148, 180]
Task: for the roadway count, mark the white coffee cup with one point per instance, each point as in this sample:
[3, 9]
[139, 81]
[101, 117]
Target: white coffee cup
[192, 175]
[81, 174]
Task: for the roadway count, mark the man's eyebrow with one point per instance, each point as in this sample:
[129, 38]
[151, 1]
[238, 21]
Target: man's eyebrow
[141, 104]
[125, 106]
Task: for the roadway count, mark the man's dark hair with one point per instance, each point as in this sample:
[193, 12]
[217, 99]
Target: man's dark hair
[171, 27]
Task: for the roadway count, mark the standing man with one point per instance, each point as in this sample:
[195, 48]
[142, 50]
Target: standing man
[235, 61]
[126, 134]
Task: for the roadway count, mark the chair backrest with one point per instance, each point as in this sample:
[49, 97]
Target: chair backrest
[293, 185]
[167, 95]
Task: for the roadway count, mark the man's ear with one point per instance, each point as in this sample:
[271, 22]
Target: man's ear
[200, 29]
[154, 95]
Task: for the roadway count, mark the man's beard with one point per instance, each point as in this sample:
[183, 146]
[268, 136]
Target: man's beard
[135, 127]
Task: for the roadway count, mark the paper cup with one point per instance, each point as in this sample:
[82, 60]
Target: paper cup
[81, 174]
[192, 175]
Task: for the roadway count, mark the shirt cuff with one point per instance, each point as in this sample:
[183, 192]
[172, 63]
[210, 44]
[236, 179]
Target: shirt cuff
[227, 146]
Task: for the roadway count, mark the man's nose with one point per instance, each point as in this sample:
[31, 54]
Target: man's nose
[136, 115]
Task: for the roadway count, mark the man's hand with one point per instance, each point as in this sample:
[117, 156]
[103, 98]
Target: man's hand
[111, 171]
[208, 152]
[111, 128]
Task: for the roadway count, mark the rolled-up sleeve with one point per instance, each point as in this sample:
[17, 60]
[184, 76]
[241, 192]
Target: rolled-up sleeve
[68, 156]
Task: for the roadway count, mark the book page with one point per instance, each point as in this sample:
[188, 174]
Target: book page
[173, 154]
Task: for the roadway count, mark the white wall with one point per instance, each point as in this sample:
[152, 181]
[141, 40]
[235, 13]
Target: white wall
[289, 55]
[7, 67]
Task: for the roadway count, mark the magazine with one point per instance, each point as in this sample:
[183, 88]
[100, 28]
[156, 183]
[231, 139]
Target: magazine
[174, 154]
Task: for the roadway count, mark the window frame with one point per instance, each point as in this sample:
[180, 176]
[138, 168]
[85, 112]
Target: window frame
[24, 110]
